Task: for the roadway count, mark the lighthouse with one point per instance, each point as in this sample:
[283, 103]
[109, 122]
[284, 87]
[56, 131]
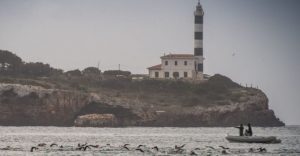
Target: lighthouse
[198, 37]
[183, 65]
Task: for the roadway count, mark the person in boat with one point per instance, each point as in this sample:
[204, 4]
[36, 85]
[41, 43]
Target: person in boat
[249, 130]
[241, 128]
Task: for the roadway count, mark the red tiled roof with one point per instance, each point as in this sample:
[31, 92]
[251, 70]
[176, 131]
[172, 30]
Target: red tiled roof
[178, 56]
[156, 67]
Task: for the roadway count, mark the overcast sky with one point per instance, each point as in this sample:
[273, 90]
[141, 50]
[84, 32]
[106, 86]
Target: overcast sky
[264, 35]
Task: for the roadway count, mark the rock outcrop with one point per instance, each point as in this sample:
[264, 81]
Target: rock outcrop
[216, 102]
[96, 120]
[23, 105]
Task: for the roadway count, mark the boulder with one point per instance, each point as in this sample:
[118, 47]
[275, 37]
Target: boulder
[96, 120]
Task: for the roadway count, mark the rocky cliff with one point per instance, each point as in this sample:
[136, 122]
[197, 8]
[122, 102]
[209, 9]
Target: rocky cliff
[215, 102]
[22, 105]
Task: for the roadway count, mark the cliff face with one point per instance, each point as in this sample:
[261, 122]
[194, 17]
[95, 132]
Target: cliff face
[217, 102]
[31, 105]
[23, 105]
[249, 108]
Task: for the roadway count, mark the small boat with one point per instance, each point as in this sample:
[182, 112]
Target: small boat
[253, 139]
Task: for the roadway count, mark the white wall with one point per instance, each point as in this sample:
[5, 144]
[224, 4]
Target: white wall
[180, 67]
[152, 73]
[198, 27]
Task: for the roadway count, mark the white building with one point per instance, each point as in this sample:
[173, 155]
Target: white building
[184, 65]
[174, 66]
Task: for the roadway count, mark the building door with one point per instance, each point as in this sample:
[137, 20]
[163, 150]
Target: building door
[175, 75]
[185, 74]
[166, 74]
[156, 74]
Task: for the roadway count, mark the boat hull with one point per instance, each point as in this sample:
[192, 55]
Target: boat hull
[253, 139]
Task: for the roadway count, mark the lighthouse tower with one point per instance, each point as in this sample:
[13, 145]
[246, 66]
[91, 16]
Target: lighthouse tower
[198, 45]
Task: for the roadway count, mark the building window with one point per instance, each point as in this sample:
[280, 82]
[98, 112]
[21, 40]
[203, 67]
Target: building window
[176, 63]
[156, 74]
[167, 75]
[185, 63]
[166, 63]
[185, 74]
[175, 75]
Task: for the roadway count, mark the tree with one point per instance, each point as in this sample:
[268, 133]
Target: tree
[9, 62]
[91, 71]
[117, 73]
[73, 73]
[36, 69]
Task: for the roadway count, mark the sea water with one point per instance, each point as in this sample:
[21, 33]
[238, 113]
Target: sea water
[201, 141]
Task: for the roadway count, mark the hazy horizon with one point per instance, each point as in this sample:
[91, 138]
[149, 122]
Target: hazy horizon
[252, 42]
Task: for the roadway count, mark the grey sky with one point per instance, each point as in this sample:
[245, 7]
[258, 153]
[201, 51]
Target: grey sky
[70, 34]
